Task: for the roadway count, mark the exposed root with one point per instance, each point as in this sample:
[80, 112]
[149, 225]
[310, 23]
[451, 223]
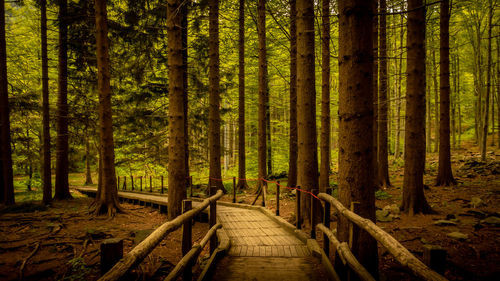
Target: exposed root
[26, 260]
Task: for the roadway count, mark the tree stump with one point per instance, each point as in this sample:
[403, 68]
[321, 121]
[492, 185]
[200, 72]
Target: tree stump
[435, 258]
[111, 253]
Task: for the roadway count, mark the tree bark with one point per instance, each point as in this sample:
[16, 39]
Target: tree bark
[214, 98]
[413, 184]
[324, 173]
[356, 109]
[445, 175]
[400, 82]
[46, 172]
[292, 162]
[88, 175]
[242, 183]
[375, 93]
[177, 179]
[484, 134]
[184, 23]
[307, 163]
[107, 202]
[436, 100]
[262, 120]
[62, 148]
[383, 163]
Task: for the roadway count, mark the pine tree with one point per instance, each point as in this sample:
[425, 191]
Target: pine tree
[47, 181]
[242, 183]
[324, 173]
[292, 161]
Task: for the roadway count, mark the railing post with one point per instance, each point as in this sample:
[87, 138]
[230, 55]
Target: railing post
[132, 182]
[140, 183]
[187, 238]
[213, 219]
[314, 218]
[125, 183]
[150, 184]
[234, 189]
[118, 182]
[326, 223]
[297, 198]
[161, 184]
[278, 198]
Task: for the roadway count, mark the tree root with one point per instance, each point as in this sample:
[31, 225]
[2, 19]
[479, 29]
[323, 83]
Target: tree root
[26, 260]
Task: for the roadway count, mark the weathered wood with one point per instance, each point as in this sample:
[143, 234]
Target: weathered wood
[138, 253]
[132, 182]
[212, 222]
[150, 184]
[402, 255]
[314, 214]
[188, 260]
[118, 181]
[187, 237]
[326, 223]
[278, 198]
[435, 257]
[111, 253]
[162, 186]
[345, 254]
[234, 189]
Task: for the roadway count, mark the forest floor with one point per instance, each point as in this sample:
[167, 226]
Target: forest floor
[62, 242]
[466, 225]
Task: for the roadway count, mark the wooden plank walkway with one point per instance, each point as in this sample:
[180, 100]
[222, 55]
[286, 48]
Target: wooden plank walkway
[260, 248]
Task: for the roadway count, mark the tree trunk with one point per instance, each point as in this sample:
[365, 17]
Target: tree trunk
[498, 89]
[445, 175]
[356, 109]
[399, 101]
[262, 129]
[453, 104]
[242, 183]
[324, 173]
[62, 164]
[383, 163]
[458, 103]
[177, 179]
[214, 99]
[413, 184]
[107, 202]
[184, 12]
[292, 162]
[436, 101]
[488, 88]
[46, 172]
[375, 94]
[307, 163]
[88, 175]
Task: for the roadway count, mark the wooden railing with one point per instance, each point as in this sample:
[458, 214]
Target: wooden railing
[402, 255]
[138, 253]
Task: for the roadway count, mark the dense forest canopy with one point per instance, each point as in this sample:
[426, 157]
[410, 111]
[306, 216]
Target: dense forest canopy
[139, 81]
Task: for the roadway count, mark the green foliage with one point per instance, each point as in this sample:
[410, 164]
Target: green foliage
[382, 195]
[78, 270]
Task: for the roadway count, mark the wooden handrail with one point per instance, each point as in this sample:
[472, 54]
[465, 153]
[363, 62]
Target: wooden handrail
[192, 254]
[345, 254]
[139, 252]
[402, 255]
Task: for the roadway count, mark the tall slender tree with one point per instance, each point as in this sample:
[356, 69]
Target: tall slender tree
[242, 183]
[356, 182]
[292, 161]
[262, 128]
[307, 164]
[47, 181]
[177, 135]
[62, 147]
[375, 21]
[7, 178]
[484, 129]
[214, 98]
[383, 163]
[107, 196]
[185, 95]
[445, 175]
[413, 184]
[324, 172]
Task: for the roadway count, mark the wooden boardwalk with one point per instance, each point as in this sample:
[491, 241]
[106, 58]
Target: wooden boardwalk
[261, 249]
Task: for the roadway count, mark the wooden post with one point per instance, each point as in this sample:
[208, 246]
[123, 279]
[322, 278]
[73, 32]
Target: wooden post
[351, 224]
[314, 220]
[161, 184]
[435, 258]
[326, 223]
[111, 253]
[140, 183]
[278, 198]
[213, 221]
[234, 189]
[191, 185]
[187, 238]
[297, 198]
[118, 181]
[150, 184]
[132, 182]
[125, 184]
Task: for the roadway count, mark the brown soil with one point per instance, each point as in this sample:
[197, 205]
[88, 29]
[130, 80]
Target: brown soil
[62, 231]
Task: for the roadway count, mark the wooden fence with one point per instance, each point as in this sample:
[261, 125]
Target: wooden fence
[139, 252]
